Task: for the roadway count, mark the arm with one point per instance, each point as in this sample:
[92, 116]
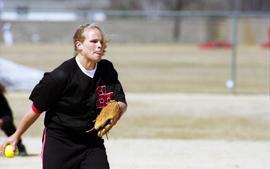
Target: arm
[123, 107]
[28, 119]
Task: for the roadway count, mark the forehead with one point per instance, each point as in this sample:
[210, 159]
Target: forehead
[93, 33]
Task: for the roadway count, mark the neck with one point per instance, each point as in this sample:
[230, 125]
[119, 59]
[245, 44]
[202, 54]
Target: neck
[86, 63]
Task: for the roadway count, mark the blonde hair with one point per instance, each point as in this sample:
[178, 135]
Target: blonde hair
[78, 35]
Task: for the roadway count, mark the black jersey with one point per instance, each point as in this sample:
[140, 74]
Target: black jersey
[71, 98]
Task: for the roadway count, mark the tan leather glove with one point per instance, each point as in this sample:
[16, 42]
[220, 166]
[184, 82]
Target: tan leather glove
[107, 118]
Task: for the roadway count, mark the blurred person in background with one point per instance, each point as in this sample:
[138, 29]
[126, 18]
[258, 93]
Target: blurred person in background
[6, 120]
[7, 34]
[72, 96]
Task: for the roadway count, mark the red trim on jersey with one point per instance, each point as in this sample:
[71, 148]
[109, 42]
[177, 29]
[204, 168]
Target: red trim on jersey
[43, 144]
[35, 109]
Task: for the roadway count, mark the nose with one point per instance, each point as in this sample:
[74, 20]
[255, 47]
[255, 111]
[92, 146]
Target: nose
[99, 44]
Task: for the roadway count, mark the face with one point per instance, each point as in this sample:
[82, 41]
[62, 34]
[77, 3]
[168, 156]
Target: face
[92, 48]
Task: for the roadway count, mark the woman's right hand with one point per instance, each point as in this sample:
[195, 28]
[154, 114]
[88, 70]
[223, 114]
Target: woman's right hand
[11, 140]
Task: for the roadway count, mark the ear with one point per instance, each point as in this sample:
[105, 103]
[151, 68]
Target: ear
[78, 45]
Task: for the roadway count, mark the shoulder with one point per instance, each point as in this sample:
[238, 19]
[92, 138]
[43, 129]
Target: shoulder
[53, 82]
[63, 71]
[106, 66]
[66, 66]
[105, 63]
[107, 70]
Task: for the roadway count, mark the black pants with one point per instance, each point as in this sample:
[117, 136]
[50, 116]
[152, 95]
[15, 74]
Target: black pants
[8, 126]
[71, 150]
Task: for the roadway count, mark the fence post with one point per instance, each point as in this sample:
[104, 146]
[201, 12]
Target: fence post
[231, 83]
[176, 28]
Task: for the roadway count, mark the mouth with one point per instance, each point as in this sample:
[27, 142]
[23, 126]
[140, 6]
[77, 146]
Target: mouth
[98, 53]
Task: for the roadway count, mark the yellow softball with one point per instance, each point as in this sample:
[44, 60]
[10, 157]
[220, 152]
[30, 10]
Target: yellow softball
[9, 151]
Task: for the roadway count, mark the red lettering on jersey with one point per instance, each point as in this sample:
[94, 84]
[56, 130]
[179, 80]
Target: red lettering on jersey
[102, 96]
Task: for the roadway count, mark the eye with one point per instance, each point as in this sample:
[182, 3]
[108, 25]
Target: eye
[94, 41]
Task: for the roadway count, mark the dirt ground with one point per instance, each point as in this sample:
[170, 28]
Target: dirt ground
[182, 131]
[166, 153]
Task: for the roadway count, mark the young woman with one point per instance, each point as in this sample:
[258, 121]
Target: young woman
[71, 96]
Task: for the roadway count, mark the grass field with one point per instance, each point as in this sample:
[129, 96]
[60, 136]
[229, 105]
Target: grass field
[164, 67]
[174, 90]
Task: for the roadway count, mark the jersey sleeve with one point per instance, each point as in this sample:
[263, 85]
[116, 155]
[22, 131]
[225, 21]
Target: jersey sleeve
[119, 94]
[48, 90]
